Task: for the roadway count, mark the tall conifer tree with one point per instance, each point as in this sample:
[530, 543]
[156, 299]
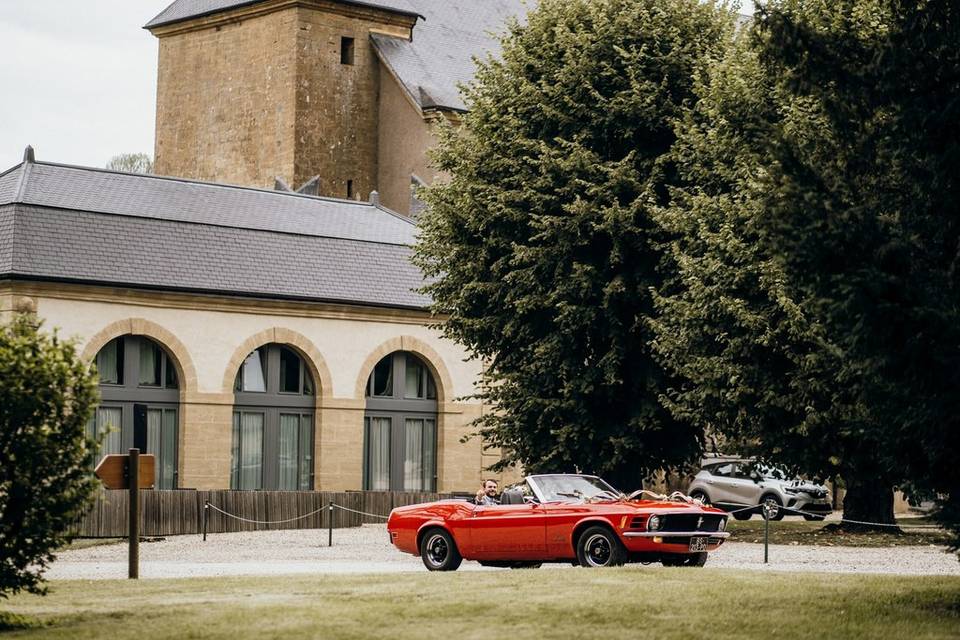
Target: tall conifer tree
[816, 316]
[541, 245]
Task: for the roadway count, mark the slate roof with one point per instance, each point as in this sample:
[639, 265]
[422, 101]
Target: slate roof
[77, 224]
[181, 10]
[439, 58]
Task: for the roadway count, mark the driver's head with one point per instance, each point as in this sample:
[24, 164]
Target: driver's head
[490, 487]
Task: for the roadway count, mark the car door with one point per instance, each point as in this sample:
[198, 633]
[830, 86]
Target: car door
[743, 489]
[721, 482]
[508, 532]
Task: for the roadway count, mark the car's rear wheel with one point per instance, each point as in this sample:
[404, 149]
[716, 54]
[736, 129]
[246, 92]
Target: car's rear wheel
[702, 497]
[439, 552]
[774, 505]
[600, 547]
[684, 559]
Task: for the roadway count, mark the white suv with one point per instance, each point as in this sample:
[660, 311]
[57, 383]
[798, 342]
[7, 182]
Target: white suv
[735, 484]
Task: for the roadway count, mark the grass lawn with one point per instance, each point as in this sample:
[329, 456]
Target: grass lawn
[798, 531]
[631, 602]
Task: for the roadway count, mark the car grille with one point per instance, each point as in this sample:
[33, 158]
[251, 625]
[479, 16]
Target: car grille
[691, 522]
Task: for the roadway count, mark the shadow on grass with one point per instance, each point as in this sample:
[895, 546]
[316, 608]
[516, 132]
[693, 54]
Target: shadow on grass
[16, 622]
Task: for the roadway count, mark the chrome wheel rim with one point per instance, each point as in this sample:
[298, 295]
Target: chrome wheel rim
[772, 507]
[597, 550]
[437, 550]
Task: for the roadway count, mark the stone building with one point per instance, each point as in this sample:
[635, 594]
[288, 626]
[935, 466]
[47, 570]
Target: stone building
[271, 340]
[268, 339]
[346, 91]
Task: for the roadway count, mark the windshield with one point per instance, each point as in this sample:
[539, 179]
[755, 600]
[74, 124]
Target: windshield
[571, 488]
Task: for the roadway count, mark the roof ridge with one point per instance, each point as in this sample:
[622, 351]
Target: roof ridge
[22, 185]
[220, 185]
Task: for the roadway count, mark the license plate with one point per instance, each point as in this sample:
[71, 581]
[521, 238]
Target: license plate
[698, 544]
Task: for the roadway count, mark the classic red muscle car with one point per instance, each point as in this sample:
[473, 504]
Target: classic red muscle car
[559, 518]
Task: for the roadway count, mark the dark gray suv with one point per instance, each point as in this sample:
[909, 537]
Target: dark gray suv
[735, 484]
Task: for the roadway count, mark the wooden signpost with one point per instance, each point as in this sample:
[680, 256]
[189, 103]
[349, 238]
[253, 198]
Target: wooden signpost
[133, 472]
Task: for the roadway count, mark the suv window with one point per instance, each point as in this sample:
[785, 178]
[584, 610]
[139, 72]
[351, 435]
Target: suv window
[723, 470]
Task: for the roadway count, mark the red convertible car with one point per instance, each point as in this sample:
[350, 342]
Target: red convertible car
[559, 518]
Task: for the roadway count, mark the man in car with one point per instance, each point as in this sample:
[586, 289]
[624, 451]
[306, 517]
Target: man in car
[487, 494]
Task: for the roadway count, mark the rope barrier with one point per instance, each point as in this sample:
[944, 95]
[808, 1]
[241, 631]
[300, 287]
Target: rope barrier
[303, 517]
[822, 516]
[871, 524]
[242, 519]
[362, 513]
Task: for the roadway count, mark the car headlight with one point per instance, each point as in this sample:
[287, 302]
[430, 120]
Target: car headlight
[792, 490]
[654, 523]
[722, 525]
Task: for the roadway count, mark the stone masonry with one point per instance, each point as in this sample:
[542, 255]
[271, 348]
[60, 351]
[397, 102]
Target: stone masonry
[261, 92]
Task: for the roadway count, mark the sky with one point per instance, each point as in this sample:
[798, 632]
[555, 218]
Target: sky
[80, 79]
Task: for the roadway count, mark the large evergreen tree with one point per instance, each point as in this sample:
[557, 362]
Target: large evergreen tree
[541, 245]
[817, 311]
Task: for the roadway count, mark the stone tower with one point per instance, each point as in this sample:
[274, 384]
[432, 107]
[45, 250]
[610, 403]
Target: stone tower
[279, 88]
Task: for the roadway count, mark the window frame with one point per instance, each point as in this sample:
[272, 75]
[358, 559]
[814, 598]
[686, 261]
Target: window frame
[398, 408]
[124, 396]
[273, 403]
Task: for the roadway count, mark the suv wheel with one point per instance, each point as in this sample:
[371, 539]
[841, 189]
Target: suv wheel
[773, 503]
[702, 497]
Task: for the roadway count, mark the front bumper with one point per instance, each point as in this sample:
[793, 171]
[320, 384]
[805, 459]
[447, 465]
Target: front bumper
[643, 543]
[723, 535]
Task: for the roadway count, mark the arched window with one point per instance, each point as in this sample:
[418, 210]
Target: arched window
[138, 385]
[273, 433]
[400, 426]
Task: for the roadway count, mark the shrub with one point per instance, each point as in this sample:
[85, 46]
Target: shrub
[47, 396]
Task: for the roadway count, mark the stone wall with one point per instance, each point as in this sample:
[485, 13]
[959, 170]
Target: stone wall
[226, 101]
[404, 138]
[208, 337]
[260, 92]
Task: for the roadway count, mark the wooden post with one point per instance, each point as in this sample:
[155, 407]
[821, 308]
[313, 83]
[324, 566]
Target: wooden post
[133, 473]
[330, 526]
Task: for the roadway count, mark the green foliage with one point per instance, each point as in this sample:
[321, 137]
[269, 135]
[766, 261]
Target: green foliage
[816, 315]
[47, 395]
[541, 247]
[131, 163]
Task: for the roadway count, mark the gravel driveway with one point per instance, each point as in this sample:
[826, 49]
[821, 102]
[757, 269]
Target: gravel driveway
[367, 550]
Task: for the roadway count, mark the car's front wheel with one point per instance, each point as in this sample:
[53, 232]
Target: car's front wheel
[684, 559]
[439, 552]
[743, 515]
[813, 518]
[600, 547]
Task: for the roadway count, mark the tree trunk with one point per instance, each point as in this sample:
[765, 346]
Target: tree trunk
[869, 501]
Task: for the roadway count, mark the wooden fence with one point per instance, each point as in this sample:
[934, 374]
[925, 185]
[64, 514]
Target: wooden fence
[170, 513]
